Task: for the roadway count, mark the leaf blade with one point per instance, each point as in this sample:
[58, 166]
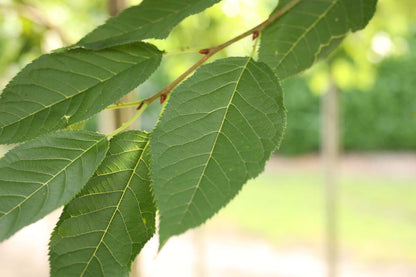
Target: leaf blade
[294, 42]
[41, 175]
[212, 137]
[117, 201]
[150, 19]
[63, 88]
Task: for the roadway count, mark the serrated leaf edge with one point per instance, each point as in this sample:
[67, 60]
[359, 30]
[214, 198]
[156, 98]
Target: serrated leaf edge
[307, 30]
[53, 177]
[45, 107]
[116, 208]
[243, 69]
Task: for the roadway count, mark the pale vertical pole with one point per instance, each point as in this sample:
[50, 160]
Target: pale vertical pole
[199, 252]
[330, 152]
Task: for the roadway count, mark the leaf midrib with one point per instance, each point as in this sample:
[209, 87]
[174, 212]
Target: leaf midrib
[116, 208]
[53, 177]
[74, 95]
[92, 42]
[307, 30]
[244, 68]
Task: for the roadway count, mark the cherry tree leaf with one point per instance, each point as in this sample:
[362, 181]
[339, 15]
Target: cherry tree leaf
[63, 88]
[103, 228]
[294, 42]
[217, 131]
[41, 175]
[150, 19]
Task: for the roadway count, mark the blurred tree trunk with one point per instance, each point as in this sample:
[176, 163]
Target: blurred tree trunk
[120, 115]
[330, 152]
[112, 119]
[116, 6]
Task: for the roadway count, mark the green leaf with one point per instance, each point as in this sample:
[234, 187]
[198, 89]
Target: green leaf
[60, 89]
[41, 175]
[293, 42]
[102, 230]
[150, 19]
[217, 131]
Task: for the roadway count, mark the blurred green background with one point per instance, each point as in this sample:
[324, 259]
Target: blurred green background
[374, 69]
[375, 72]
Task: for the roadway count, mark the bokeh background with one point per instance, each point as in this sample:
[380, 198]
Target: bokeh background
[351, 209]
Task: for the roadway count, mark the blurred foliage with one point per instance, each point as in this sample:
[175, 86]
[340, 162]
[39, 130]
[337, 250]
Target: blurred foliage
[373, 68]
[382, 118]
[303, 118]
[354, 64]
[29, 28]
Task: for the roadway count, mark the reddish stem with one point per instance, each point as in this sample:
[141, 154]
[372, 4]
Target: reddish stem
[209, 52]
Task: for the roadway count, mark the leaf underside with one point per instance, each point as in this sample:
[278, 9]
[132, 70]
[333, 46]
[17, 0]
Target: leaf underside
[103, 228]
[150, 19]
[294, 42]
[60, 89]
[217, 131]
[41, 175]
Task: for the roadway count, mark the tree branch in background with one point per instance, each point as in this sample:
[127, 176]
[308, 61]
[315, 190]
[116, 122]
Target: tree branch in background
[209, 52]
[33, 14]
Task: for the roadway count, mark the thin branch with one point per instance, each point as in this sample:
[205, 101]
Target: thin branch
[131, 121]
[124, 105]
[36, 16]
[209, 52]
[180, 52]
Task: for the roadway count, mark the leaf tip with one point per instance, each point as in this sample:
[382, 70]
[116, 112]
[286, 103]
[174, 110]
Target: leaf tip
[162, 242]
